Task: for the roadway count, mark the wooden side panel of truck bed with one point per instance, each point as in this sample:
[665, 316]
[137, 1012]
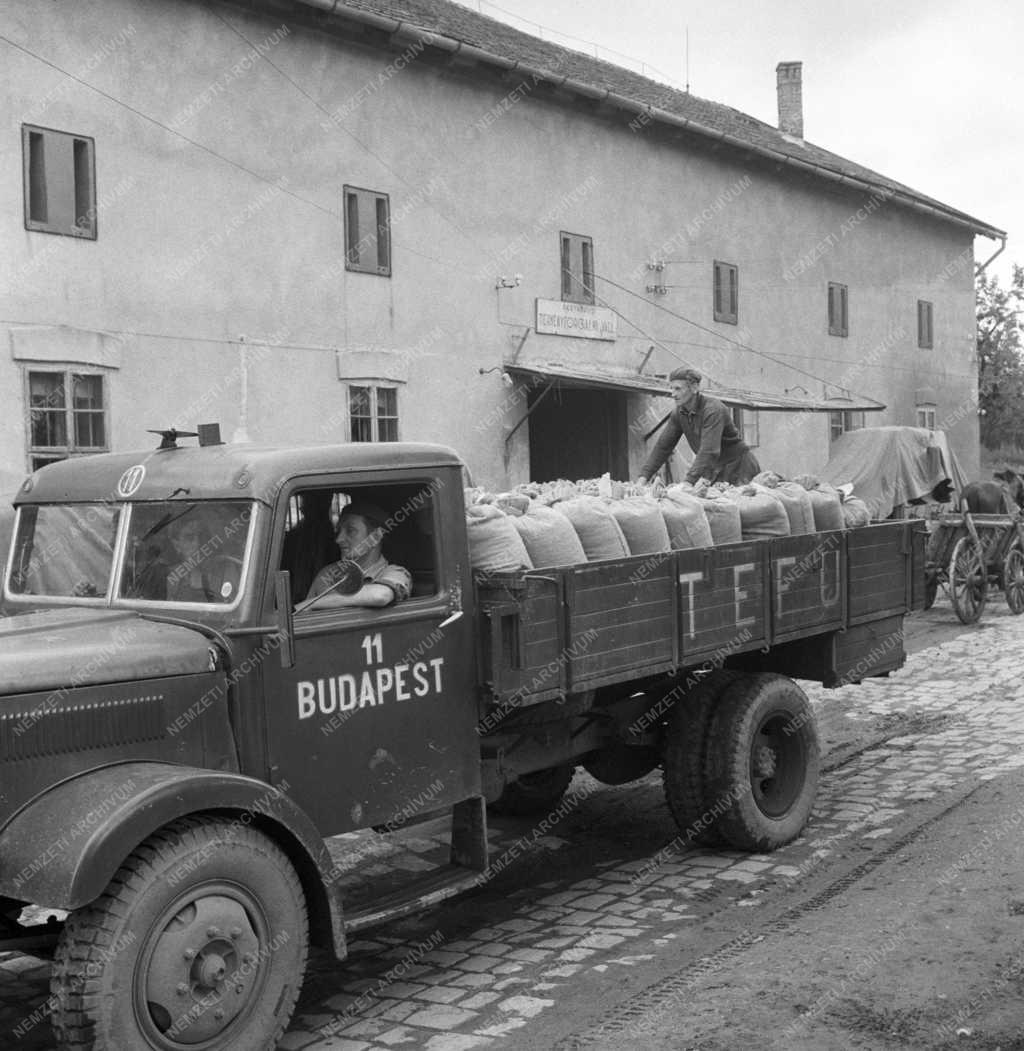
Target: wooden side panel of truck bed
[551, 632]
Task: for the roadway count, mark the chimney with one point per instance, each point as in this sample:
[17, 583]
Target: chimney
[791, 105]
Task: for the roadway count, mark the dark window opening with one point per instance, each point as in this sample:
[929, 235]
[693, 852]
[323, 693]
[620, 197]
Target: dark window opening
[726, 293]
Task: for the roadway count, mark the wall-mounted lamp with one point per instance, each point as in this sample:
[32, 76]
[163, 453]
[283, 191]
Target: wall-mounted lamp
[509, 282]
[505, 377]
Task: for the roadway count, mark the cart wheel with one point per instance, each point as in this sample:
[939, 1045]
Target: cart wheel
[968, 580]
[1013, 579]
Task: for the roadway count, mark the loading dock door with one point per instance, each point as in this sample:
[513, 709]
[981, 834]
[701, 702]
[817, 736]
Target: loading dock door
[578, 433]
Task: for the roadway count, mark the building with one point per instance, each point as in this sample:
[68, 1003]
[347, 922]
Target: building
[382, 219]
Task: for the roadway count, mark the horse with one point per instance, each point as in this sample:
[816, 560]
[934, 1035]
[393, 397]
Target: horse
[993, 498]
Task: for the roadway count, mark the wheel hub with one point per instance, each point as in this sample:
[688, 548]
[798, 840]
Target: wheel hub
[764, 761]
[203, 963]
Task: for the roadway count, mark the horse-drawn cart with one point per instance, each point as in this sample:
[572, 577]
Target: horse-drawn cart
[967, 553]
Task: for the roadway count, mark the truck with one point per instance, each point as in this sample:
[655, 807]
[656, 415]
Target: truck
[174, 759]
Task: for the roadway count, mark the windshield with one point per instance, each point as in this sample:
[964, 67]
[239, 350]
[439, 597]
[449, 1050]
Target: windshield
[186, 552]
[64, 551]
[173, 551]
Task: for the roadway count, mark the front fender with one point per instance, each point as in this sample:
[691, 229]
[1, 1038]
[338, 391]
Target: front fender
[62, 849]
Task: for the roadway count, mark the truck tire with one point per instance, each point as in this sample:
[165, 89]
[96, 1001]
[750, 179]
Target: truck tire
[618, 763]
[200, 938]
[535, 793]
[762, 762]
[684, 750]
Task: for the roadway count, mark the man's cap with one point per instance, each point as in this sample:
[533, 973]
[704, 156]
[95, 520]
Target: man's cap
[376, 517]
[686, 375]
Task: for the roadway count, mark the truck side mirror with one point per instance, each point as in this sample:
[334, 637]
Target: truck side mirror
[285, 617]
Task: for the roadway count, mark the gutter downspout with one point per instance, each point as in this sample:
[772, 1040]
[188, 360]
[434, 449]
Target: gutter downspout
[981, 269]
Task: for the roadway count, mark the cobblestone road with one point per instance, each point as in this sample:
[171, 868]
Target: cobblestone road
[483, 971]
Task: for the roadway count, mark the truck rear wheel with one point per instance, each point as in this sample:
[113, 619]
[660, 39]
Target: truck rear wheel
[200, 939]
[686, 739]
[534, 793]
[762, 762]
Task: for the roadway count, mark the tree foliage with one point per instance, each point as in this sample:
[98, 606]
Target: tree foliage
[1000, 360]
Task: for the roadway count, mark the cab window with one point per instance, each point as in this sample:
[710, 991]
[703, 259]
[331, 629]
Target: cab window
[316, 537]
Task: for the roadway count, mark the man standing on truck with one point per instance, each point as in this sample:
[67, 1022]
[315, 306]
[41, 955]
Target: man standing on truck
[360, 535]
[721, 455]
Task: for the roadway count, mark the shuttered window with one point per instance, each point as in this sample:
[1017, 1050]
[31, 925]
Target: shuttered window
[367, 231]
[924, 324]
[60, 182]
[726, 279]
[838, 310]
[577, 265]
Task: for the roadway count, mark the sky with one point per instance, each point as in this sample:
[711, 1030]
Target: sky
[927, 92]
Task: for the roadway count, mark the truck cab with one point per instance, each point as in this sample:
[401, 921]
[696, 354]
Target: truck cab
[162, 676]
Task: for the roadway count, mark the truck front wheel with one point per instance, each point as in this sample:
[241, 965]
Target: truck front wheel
[762, 761]
[200, 939]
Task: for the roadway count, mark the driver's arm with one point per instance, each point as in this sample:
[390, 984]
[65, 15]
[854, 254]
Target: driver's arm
[373, 595]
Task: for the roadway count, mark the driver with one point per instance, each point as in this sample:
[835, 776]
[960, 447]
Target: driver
[360, 534]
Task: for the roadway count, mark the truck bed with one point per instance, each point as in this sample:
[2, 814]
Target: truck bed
[551, 632]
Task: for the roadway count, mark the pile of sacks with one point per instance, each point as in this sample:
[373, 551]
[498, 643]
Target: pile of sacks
[565, 523]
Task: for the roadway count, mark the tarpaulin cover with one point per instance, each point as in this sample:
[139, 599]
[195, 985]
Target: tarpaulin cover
[889, 466]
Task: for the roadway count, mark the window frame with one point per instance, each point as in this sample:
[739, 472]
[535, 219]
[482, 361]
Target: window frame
[727, 313]
[748, 423]
[838, 313]
[374, 416]
[925, 413]
[847, 420]
[362, 196]
[580, 249]
[71, 448]
[925, 324]
[34, 184]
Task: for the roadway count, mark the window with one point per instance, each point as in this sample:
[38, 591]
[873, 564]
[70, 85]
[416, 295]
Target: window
[577, 268]
[67, 416]
[726, 281]
[926, 416]
[409, 539]
[373, 414]
[747, 423]
[838, 314]
[60, 182]
[841, 422]
[367, 232]
[924, 324]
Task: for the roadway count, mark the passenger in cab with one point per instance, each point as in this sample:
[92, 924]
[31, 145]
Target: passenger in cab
[360, 536]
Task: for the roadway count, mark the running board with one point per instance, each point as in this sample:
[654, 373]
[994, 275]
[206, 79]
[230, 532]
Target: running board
[428, 891]
[466, 869]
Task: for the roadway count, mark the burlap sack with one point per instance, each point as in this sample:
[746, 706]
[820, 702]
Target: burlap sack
[549, 537]
[596, 527]
[855, 512]
[494, 543]
[723, 520]
[827, 506]
[797, 502]
[761, 513]
[685, 520]
[642, 525]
